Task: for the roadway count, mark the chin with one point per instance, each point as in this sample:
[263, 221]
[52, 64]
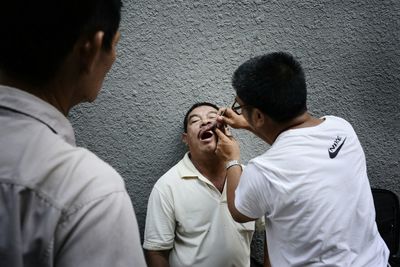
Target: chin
[90, 98]
[209, 147]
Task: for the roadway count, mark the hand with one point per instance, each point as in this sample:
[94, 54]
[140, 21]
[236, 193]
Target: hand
[229, 117]
[227, 147]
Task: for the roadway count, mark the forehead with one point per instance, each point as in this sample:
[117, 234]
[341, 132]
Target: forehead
[202, 110]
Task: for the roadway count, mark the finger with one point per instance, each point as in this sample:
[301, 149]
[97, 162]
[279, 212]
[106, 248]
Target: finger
[221, 135]
[220, 115]
[228, 131]
[228, 113]
[228, 117]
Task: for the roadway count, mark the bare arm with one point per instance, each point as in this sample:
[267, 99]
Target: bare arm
[158, 258]
[232, 181]
[228, 149]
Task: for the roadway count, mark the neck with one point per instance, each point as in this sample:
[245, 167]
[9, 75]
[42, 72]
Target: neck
[210, 166]
[303, 121]
[50, 92]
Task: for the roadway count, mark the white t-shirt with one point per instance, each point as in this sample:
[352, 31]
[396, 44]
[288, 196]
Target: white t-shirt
[60, 205]
[313, 189]
[187, 214]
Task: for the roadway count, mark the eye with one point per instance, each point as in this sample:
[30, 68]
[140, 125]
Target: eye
[212, 115]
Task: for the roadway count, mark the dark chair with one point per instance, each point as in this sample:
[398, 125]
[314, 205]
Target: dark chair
[387, 208]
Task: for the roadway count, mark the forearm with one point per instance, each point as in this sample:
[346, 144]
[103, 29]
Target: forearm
[232, 181]
[157, 258]
[228, 151]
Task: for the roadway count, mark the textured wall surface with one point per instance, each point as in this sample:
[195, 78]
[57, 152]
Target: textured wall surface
[174, 53]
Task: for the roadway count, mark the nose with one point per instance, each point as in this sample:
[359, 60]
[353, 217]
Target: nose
[206, 121]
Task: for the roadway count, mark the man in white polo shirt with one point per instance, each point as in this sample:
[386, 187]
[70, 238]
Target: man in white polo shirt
[188, 222]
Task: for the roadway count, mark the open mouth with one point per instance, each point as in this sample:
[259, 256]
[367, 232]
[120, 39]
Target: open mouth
[204, 135]
[208, 131]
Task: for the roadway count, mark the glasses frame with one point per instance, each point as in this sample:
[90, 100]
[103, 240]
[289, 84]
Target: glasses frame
[236, 108]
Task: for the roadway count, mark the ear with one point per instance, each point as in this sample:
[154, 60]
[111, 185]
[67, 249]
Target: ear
[115, 40]
[258, 118]
[90, 50]
[184, 138]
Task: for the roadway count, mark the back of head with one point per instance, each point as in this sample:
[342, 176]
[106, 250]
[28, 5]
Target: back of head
[37, 36]
[273, 83]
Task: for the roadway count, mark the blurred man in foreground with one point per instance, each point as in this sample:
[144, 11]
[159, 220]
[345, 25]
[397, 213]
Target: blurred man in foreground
[60, 204]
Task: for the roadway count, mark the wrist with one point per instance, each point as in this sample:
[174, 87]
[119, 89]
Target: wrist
[232, 163]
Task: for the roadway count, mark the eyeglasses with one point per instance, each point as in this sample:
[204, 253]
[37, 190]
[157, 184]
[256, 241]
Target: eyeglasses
[237, 108]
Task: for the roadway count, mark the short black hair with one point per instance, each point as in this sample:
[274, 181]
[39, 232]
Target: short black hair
[274, 83]
[196, 105]
[36, 36]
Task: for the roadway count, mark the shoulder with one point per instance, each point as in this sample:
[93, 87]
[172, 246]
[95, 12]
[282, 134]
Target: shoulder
[75, 176]
[170, 178]
[173, 183]
[93, 171]
[255, 170]
[335, 121]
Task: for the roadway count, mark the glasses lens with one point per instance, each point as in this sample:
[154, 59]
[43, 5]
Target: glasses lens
[236, 108]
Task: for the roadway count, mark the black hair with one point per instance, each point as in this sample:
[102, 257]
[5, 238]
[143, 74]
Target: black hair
[274, 83]
[196, 105]
[37, 36]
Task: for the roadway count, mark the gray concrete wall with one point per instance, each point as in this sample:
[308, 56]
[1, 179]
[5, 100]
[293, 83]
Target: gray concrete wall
[174, 53]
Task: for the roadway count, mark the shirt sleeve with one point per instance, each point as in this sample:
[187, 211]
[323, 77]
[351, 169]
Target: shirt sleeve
[103, 232]
[251, 193]
[160, 222]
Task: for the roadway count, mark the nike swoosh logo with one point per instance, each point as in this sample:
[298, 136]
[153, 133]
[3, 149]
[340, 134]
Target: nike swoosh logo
[333, 155]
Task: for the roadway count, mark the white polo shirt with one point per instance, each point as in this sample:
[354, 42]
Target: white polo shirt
[60, 205]
[187, 214]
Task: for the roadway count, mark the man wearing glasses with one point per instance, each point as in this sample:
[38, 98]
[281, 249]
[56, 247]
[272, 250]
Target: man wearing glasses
[188, 222]
[311, 185]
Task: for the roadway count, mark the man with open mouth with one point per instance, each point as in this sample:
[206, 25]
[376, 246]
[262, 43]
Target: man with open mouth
[188, 222]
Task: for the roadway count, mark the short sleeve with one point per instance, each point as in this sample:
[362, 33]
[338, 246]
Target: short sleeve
[251, 193]
[160, 222]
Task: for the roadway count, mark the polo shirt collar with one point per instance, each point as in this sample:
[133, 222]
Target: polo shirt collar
[187, 170]
[25, 103]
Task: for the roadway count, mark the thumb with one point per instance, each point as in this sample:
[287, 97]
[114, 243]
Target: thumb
[220, 134]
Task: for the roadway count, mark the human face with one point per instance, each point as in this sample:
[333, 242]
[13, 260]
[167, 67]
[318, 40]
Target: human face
[197, 137]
